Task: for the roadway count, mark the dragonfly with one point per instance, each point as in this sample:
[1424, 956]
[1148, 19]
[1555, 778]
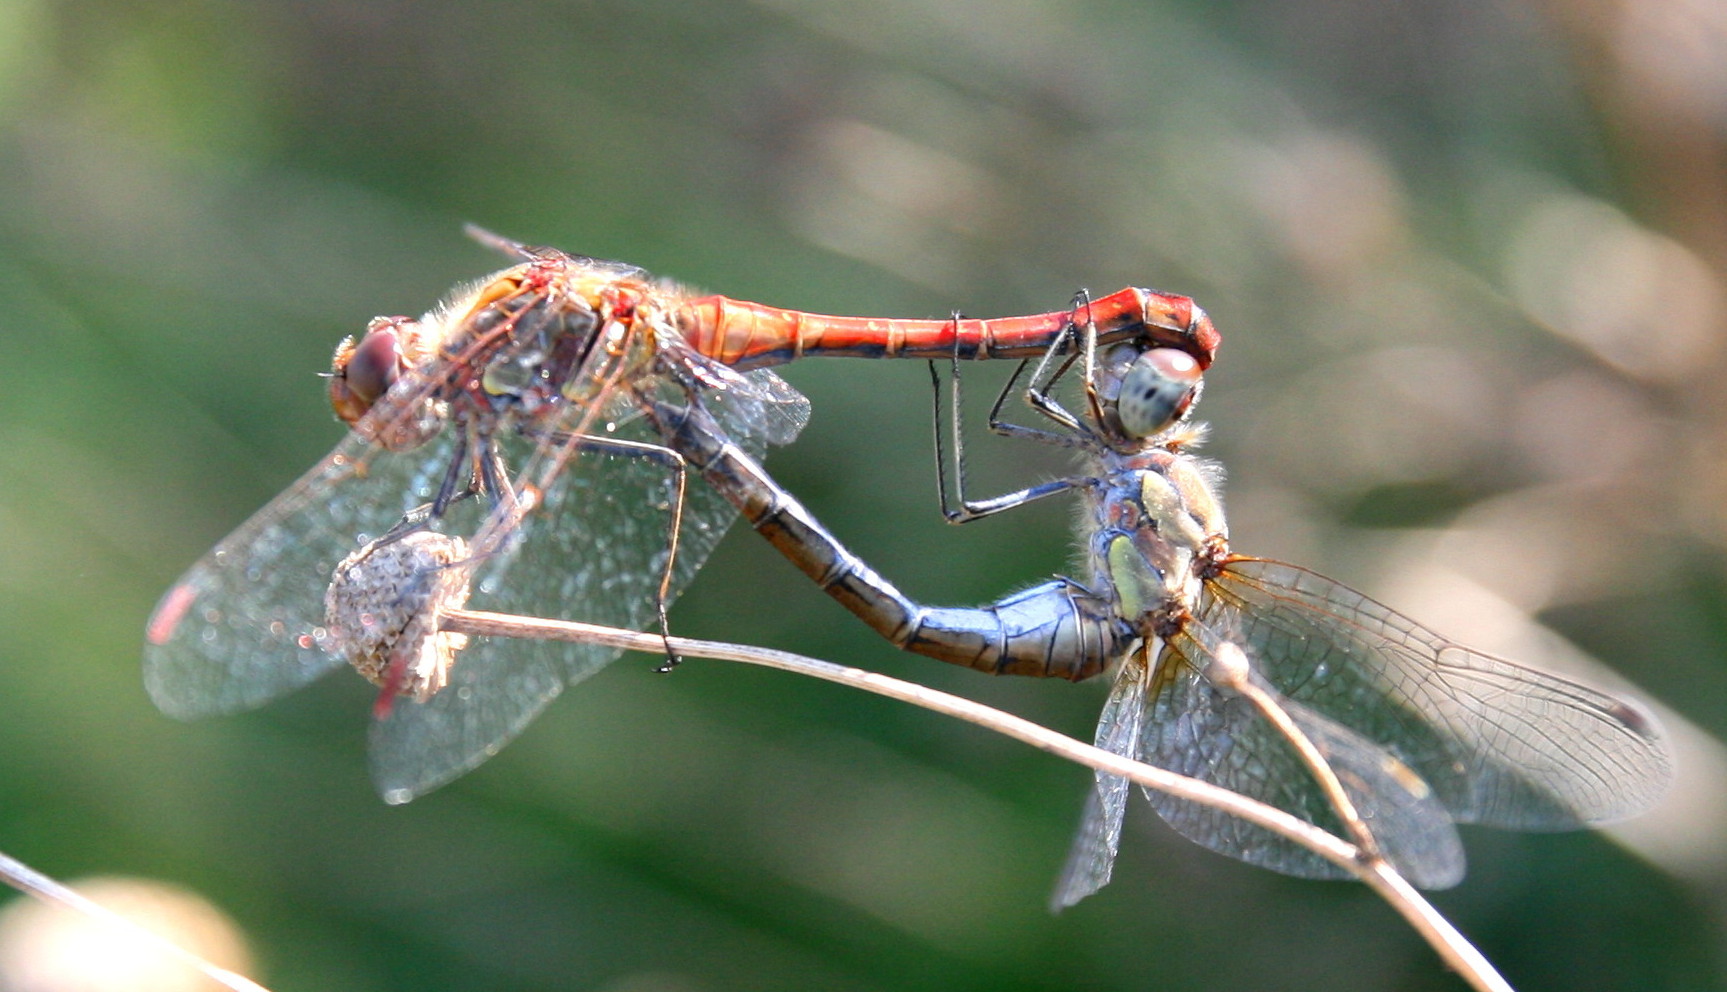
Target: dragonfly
[500, 446]
[1259, 676]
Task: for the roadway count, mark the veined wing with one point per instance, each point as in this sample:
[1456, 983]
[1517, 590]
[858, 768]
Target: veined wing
[774, 411]
[1091, 857]
[1500, 744]
[594, 549]
[1198, 729]
[246, 623]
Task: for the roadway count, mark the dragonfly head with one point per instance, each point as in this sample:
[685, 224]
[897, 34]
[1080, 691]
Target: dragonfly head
[1153, 389]
[361, 377]
[363, 371]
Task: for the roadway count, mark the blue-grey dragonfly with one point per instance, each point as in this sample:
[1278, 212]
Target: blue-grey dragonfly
[1228, 667]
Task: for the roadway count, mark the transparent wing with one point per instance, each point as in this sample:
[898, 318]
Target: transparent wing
[775, 412]
[593, 550]
[763, 407]
[245, 624]
[1091, 857]
[1199, 730]
[1500, 744]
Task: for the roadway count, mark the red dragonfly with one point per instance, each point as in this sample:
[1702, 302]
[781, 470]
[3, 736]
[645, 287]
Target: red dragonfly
[504, 443]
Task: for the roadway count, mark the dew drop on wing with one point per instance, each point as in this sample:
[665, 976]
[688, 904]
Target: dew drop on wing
[580, 551]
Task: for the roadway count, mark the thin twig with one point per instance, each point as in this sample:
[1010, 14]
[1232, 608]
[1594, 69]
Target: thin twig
[33, 883]
[1451, 945]
[1274, 713]
[1228, 668]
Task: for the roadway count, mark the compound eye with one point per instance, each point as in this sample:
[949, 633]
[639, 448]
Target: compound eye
[365, 371]
[1157, 391]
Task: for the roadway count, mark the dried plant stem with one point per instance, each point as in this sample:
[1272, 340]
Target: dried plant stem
[1275, 714]
[1451, 946]
[33, 883]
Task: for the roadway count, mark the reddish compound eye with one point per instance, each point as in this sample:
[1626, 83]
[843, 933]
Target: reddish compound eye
[365, 371]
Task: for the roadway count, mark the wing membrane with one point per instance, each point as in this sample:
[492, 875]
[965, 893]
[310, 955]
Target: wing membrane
[1501, 744]
[1198, 729]
[1091, 857]
[245, 624]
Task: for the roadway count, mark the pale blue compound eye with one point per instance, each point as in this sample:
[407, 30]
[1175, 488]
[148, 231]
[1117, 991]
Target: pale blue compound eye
[1157, 391]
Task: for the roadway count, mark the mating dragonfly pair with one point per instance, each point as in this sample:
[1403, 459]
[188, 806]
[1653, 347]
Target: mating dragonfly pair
[524, 448]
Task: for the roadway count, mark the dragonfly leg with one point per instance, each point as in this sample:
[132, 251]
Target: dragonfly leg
[674, 525]
[494, 475]
[1071, 435]
[452, 488]
[970, 509]
[1040, 393]
[450, 492]
[679, 467]
[1089, 350]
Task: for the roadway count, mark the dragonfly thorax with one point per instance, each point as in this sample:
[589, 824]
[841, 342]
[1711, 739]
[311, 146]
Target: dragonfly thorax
[526, 342]
[1160, 529]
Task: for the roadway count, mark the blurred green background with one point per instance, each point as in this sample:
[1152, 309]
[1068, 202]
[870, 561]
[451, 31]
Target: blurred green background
[1467, 258]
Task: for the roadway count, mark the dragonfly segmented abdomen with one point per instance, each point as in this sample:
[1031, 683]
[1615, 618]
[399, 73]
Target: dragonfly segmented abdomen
[748, 335]
[1055, 630]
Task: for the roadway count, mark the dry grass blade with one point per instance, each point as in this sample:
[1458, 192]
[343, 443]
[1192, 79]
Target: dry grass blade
[39, 886]
[1451, 945]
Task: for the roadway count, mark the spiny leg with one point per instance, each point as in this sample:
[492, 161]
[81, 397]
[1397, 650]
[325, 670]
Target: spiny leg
[625, 448]
[969, 509]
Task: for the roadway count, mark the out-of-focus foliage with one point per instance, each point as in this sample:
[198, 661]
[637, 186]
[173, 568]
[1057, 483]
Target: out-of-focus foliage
[1468, 261]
